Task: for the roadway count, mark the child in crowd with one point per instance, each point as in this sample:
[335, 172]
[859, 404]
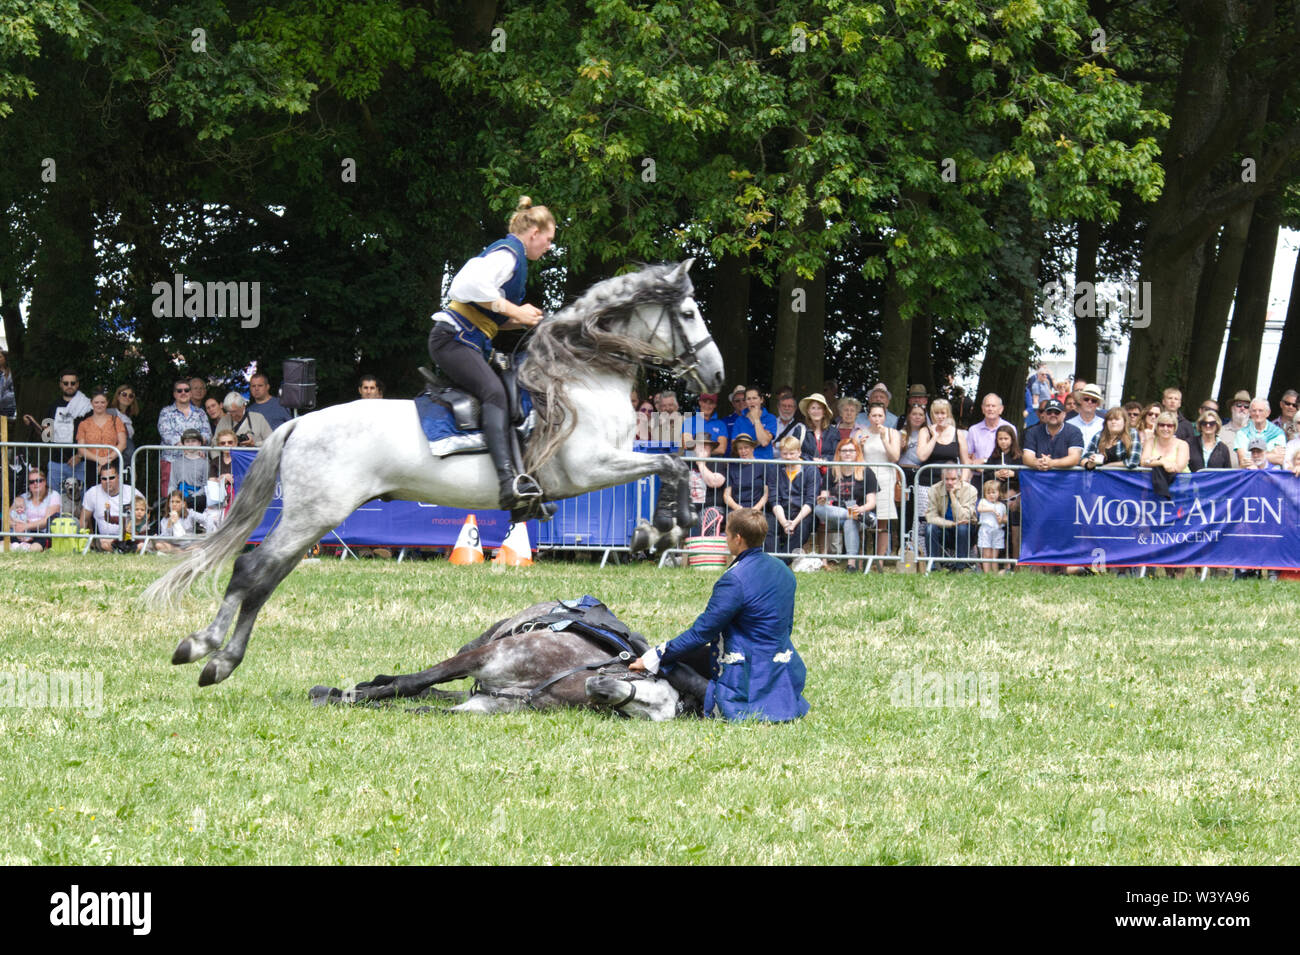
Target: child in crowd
[189, 475]
[141, 528]
[993, 519]
[179, 523]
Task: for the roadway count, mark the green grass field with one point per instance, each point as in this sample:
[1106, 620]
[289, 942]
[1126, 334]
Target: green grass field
[1118, 721]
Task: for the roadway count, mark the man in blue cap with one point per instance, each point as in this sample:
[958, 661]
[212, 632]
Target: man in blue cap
[757, 672]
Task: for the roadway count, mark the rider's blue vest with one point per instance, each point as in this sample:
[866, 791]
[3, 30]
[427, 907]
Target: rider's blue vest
[485, 318]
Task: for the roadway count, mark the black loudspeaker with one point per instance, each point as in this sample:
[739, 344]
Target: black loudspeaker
[298, 392]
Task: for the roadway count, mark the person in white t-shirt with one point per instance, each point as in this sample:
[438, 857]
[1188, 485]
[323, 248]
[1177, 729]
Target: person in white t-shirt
[102, 505]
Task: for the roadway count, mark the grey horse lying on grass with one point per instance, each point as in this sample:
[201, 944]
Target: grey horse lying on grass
[554, 654]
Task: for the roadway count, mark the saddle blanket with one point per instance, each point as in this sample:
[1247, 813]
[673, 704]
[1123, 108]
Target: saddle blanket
[440, 429]
[445, 436]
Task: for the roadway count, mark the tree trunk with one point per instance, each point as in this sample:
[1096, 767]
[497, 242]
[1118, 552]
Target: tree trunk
[726, 314]
[61, 319]
[1213, 305]
[791, 301]
[1085, 326]
[920, 368]
[895, 345]
[1174, 254]
[810, 356]
[1006, 356]
[1241, 363]
[1286, 373]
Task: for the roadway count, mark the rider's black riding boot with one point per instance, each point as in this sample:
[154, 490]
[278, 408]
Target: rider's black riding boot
[495, 424]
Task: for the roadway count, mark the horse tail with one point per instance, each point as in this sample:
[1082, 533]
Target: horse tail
[205, 559]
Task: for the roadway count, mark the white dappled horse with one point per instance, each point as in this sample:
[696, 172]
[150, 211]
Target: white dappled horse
[579, 367]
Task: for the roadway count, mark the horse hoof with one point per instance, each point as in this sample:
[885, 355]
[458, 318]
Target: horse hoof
[190, 649]
[323, 695]
[216, 671]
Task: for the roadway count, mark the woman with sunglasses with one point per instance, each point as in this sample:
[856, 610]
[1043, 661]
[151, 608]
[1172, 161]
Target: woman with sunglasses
[1147, 423]
[1208, 451]
[1167, 450]
[31, 512]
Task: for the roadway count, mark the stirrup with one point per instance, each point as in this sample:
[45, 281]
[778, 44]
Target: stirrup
[525, 487]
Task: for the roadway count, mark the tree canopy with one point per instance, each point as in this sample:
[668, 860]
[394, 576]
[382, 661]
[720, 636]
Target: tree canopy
[876, 190]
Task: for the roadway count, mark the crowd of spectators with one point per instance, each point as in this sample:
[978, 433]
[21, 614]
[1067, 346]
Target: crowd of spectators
[962, 481]
[831, 482]
[190, 492]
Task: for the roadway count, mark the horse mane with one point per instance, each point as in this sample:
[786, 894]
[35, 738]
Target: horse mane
[585, 337]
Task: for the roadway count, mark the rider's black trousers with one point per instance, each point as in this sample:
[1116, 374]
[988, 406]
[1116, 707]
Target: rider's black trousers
[465, 366]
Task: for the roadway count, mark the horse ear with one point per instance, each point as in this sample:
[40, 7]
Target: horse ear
[679, 274]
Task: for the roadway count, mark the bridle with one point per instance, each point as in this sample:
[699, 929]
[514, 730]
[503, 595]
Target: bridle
[685, 358]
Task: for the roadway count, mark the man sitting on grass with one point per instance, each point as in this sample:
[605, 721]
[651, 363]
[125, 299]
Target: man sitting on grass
[757, 672]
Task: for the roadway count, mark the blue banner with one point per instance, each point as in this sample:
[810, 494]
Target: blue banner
[393, 523]
[1212, 518]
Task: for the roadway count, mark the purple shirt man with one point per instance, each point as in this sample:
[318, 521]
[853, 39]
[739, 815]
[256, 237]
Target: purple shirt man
[981, 437]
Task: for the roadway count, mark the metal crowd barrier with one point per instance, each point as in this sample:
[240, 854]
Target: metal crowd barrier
[820, 535]
[598, 521]
[159, 469]
[958, 545]
[19, 458]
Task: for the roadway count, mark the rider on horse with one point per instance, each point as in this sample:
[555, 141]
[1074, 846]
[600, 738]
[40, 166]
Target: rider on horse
[487, 295]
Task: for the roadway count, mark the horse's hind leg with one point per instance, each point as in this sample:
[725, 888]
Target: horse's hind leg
[255, 576]
[202, 642]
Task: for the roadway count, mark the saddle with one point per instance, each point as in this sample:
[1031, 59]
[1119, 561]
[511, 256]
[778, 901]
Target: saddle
[590, 618]
[466, 409]
[452, 423]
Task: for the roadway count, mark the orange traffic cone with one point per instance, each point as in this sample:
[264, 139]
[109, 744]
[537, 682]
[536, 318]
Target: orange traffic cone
[515, 550]
[468, 549]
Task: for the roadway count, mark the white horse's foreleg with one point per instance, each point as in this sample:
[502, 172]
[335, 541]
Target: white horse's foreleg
[588, 469]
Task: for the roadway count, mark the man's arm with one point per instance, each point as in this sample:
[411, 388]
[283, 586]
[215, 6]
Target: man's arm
[725, 602]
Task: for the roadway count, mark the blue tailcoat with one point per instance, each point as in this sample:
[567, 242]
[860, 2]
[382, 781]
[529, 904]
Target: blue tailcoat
[757, 672]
